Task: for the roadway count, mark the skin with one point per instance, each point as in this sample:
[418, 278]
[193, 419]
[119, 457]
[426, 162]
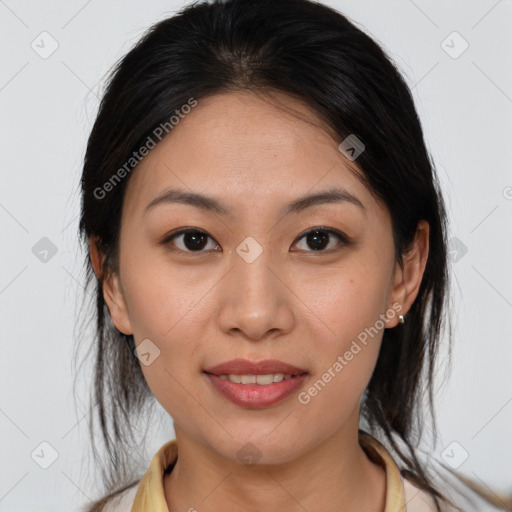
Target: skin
[292, 303]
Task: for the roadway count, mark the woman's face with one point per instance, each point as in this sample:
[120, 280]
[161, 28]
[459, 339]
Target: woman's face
[255, 285]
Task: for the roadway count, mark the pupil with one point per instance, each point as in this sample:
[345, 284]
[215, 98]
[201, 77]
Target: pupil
[320, 238]
[194, 240]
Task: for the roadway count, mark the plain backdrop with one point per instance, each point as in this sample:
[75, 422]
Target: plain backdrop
[455, 55]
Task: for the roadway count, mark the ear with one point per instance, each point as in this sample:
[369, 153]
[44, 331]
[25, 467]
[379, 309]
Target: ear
[112, 291]
[407, 281]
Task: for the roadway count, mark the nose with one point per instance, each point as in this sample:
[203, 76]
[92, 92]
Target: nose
[255, 302]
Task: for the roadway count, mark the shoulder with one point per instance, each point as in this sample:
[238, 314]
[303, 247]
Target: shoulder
[418, 500]
[123, 501]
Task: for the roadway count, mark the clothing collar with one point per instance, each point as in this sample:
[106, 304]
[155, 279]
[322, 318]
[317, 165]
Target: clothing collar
[150, 492]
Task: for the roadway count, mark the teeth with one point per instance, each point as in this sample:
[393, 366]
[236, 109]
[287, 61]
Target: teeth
[261, 380]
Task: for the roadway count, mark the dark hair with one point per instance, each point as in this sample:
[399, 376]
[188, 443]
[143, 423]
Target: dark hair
[315, 54]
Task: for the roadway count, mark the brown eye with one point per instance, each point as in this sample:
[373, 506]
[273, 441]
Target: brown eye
[319, 239]
[190, 240]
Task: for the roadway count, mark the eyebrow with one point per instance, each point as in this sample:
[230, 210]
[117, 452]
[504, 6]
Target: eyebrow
[332, 195]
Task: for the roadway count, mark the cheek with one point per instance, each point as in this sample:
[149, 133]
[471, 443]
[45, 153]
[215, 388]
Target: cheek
[346, 301]
[346, 330]
[163, 299]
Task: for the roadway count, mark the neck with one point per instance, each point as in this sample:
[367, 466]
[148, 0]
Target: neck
[336, 475]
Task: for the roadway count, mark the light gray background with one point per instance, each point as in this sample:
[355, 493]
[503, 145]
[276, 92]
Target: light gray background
[47, 110]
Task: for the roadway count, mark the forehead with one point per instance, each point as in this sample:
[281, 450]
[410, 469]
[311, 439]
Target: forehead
[247, 148]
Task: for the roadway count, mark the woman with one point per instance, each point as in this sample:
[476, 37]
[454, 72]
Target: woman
[267, 239]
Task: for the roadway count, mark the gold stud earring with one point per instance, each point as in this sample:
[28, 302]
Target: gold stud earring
[401, 319]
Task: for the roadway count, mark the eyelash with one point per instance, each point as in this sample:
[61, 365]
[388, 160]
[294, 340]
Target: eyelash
[341, 237]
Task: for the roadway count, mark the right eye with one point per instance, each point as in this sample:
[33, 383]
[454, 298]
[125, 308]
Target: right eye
[189, 240]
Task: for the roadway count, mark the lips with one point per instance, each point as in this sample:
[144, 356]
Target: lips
[254, 396]
[247, 367]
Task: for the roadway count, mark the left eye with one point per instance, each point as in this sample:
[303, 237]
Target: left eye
[318, 239]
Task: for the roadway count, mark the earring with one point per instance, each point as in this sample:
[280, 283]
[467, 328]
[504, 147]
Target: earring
[401, 319]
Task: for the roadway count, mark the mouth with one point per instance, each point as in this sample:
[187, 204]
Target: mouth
[256, 385]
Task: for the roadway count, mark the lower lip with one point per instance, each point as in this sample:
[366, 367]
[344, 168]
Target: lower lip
[255, 396]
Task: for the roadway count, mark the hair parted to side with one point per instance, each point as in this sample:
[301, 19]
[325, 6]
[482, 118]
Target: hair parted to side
[315, 54]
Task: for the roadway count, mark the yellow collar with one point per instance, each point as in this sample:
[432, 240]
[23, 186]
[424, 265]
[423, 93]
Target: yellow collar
[150, 491]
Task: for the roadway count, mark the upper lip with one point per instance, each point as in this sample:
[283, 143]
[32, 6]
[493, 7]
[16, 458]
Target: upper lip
[247, 367]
